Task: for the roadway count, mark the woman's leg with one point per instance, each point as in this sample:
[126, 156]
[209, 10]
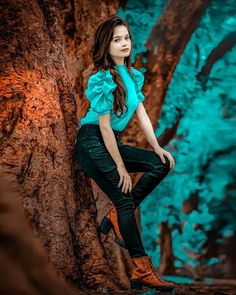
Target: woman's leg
[99, 165]
[142, 160]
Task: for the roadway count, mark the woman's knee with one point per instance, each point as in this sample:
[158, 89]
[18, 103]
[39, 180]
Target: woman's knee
[166, 164]
[125, 204]
[158, 165]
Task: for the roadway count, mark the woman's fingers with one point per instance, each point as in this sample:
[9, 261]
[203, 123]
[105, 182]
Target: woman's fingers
[125, 180]
[162, 158]
[127, 184]
[124, 184]
[173, 163]
[121, 180]
[123, 187]
[130, 185]
[171, 159]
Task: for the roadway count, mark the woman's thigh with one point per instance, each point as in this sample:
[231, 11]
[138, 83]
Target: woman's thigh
[97, 163]
[95, 159]
[141, 160]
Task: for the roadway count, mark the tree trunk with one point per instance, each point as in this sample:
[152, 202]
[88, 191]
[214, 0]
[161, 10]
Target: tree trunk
[165, 45]
[24, 262]
[38, 123]
[167, 261]
[42, 96]
[77, 16]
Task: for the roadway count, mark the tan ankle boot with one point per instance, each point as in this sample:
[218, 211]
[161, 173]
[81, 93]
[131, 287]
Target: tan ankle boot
[144, 274]
[111, 221]
[157, 272]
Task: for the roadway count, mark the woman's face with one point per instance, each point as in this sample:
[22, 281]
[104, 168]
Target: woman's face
[120, 41]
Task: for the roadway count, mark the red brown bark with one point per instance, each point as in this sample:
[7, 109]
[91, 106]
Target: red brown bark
[165, 46]
[38, 123]
[24, 261]
[43, 75]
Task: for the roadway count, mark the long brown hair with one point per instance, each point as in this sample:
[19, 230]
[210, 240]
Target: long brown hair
[102, 60]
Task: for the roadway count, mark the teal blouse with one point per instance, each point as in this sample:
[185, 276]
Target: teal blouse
[99, 93]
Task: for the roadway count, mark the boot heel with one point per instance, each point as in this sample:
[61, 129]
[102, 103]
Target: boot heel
[105, 226]
[135, 285]
[120, 243]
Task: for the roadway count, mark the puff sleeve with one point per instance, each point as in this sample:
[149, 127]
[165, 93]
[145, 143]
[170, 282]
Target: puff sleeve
[99, 92]
[139, 81]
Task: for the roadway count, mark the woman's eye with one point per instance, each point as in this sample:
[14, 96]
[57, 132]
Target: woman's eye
[119, 39]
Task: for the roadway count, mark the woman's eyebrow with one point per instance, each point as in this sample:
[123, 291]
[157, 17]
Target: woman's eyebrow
[119, 36]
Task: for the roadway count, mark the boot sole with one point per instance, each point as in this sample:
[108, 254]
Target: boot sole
[105, 227]
[137, 285]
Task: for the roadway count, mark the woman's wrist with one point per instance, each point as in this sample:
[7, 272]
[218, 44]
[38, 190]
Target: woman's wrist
[157, 147]
[120, 165]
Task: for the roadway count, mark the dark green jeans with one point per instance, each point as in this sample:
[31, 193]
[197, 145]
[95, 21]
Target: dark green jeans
[95, 160]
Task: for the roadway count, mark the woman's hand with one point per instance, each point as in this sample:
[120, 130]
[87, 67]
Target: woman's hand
[125, 178]
[161, 152]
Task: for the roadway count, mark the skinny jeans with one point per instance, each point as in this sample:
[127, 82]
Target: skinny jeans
[95, 160]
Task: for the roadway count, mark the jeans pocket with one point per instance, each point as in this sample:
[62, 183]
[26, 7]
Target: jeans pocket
[94, 147]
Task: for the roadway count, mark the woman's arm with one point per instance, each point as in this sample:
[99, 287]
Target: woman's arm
[109, 139]
[146, 126]
[111, 145]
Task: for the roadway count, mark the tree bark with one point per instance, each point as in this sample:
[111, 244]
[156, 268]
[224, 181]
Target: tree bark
[218, 52]
[42, 96]
[38, 123]
[84, 15]
[165, 46]
[167, 261]
[24, 261]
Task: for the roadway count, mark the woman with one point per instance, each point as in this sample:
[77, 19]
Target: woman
[114, 92]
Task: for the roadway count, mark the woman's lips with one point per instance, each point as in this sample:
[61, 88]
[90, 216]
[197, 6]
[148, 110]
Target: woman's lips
[126, 49]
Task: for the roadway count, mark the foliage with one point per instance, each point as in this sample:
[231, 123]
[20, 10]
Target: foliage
[204, 146]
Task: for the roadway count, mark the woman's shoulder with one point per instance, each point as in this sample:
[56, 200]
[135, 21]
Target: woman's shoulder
[138, 77]
[100, 76]
[99, 91]
[137, 73]
[100, 81]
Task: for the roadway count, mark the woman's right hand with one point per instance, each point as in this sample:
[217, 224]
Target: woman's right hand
[124, 178]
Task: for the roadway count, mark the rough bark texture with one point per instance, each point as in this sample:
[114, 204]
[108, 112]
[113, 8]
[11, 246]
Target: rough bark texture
[24, 274]
[165, 46]
[43, 77]
[38, 123]
[78, 65]
[82, 15]
[220, 50]
[167, 261]
[20, 272]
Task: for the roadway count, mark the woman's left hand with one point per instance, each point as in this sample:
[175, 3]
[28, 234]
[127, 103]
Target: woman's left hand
[161, 152]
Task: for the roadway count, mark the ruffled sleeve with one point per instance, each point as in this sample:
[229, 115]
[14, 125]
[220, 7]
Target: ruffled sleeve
[99, 92]
[139, 81]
